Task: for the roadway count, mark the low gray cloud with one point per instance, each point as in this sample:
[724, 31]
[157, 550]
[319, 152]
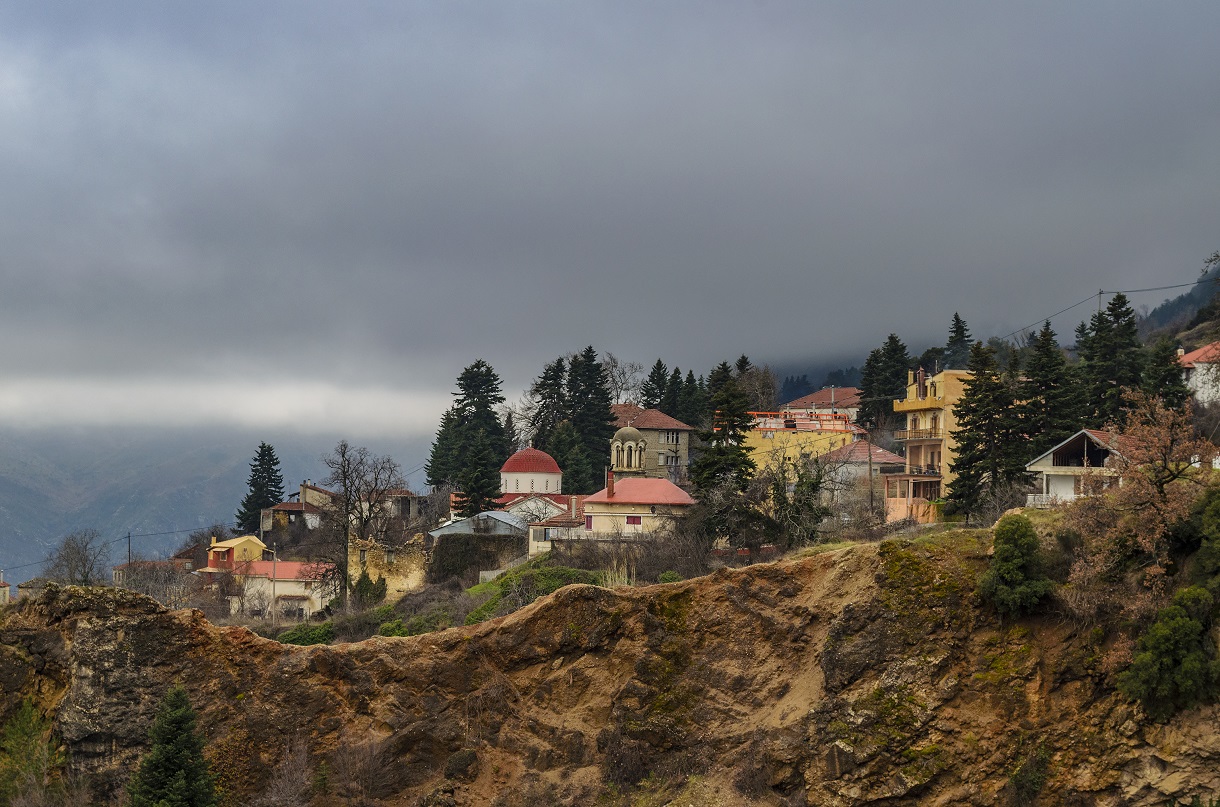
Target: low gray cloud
[350, 202]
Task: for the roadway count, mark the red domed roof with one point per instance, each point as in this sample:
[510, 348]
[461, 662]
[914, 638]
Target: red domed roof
[531, 461]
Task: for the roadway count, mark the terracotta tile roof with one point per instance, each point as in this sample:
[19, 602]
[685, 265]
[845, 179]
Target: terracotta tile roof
[629, 414]
[639, 490]
[844, 398]
[1208, 354]
[623, 413]
[530, 461]
[561, 499]
[857, 452]
[284, 569]
[1115, 442]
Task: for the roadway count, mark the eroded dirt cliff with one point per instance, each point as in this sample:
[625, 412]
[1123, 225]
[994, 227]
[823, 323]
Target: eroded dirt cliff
[869, 675]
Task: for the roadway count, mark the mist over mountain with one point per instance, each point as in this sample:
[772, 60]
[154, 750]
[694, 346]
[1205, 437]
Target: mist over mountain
[55, 481]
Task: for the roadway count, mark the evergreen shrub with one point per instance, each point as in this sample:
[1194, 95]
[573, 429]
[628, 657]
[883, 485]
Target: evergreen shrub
[1175, 664]
[173, 773]
[1014, 582]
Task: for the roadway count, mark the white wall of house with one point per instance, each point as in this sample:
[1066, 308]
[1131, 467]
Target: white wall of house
[530, 483]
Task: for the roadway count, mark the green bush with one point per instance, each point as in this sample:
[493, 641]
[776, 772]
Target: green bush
[521, 586]
[29, 755]
[1013, 582]
[1028, 780]
[366, 593]
[174, 771]
[669, 577]
[1175, 666]
[306, 634]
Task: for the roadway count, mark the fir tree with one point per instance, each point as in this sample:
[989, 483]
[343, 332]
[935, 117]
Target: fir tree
[550, 402]
[692, 402]
[588, 394]
[1163, 374]
[478, 397]
[957, 349]
[1013, 582]
[473, 415]
[652, 391]
[266, 488]
[932, 360]
[884, 380]
[795, 387]
[670, 400]
[989, 449]
[1111, 361]
[725, 460]
[1050, 401]
[510, 433]
[720, 376]
[173, 773]
[743, 365]
[444, 462]
[569, 453]
[480, 482]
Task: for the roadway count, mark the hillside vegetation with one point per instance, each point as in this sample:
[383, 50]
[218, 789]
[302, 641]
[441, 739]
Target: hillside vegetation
[872, 674]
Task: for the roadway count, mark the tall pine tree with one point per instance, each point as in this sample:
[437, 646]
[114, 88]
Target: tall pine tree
[1111, 361]
[652, 391]
[883, 380]
[266, 488]
[1049, 400]
[173, 773]
[569, 453]
[589, 398]
[445, 461]
[671, 398]
[550, 402]
[1163, 374]
[990, 452]
[725, 459]
[457, 453]
[479, 483]
[957, 349]
[692, 402]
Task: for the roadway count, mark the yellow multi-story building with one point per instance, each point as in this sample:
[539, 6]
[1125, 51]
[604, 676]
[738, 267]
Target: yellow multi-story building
[789, 437]
[930, 447]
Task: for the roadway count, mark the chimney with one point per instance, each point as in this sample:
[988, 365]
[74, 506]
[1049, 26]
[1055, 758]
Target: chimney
[1181, 352]
[572, 504]
[213, 540]
[910, 377]
[609, 484]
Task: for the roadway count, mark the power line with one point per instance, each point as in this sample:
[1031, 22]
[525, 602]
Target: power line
[122, 538]
[1101, 292]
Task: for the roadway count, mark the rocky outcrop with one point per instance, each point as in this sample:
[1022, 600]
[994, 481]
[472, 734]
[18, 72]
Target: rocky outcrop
[870, 675]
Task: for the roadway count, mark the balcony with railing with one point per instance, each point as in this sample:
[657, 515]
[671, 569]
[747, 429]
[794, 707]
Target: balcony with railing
[919, 434]
[923, 470]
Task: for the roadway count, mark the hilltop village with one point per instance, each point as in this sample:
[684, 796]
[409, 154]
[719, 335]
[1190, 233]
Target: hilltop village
[615, 468]
[983, 575]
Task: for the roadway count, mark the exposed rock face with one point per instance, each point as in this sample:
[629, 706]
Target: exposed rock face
[865, 676]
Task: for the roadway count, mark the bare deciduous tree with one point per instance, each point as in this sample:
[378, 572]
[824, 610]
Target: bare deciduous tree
[168, 584]
[624, 378]
[290, 784]
[364, 487]
[79, 560]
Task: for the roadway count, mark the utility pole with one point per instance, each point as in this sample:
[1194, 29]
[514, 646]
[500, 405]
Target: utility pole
[275, 559]
[869, 437]
[129, 550]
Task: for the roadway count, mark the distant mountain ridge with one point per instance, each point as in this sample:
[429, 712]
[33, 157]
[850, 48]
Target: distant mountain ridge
[53, 482]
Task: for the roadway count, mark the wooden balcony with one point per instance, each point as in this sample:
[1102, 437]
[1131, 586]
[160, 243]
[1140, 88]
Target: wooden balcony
[919, 434]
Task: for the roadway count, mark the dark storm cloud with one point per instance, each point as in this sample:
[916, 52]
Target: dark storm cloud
[319, 199]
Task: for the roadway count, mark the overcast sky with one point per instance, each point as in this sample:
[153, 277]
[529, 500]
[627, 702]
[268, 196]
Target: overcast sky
[270, 213]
